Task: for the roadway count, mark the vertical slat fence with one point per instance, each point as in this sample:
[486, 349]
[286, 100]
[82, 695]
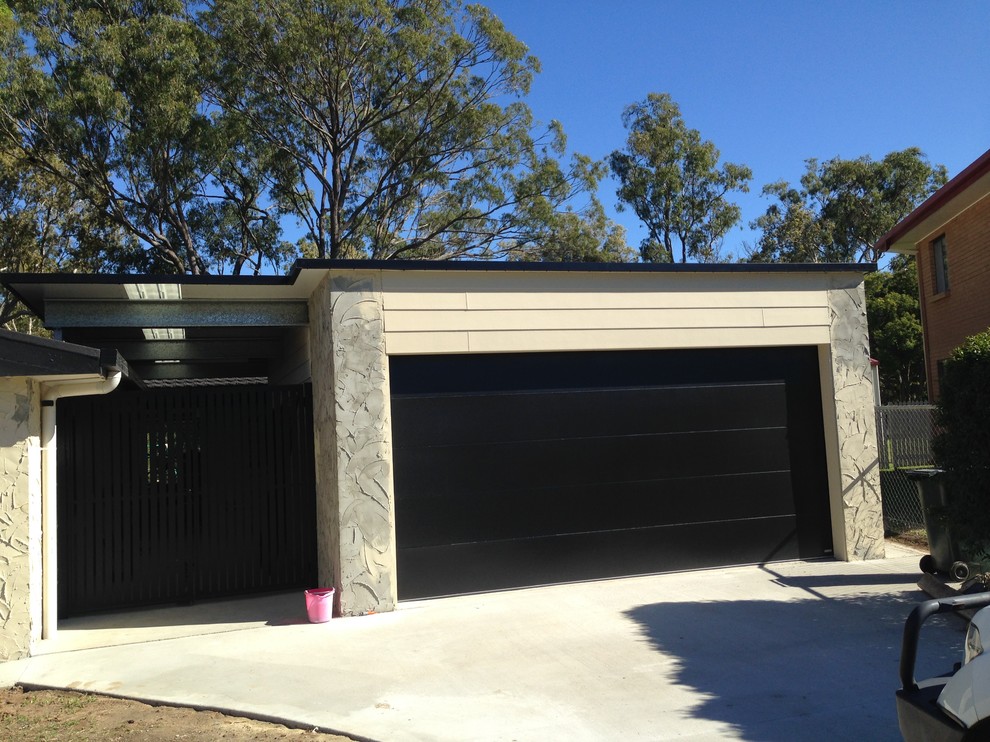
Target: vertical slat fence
[178, 495]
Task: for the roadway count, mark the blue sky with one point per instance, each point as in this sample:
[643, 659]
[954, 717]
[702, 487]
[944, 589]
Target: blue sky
[770, 83]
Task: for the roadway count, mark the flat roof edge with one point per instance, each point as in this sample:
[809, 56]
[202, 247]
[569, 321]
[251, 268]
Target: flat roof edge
[10, 280]
[548, 267]
[28, 287]
[115, 279]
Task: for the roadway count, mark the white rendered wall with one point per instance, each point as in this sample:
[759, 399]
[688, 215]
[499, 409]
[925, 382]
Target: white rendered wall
[20, 517]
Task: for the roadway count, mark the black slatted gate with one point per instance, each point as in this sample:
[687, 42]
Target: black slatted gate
[176, 495]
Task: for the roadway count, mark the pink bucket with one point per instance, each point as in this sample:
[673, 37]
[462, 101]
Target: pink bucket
[319, 604]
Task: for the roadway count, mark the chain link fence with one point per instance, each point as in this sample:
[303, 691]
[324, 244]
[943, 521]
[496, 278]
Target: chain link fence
[904, 433]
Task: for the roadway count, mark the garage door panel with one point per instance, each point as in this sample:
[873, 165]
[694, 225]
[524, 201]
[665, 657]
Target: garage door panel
[598, 464]
[497, 565]
[470, 470]
[528, 513]
[504, 372]
[516, 416]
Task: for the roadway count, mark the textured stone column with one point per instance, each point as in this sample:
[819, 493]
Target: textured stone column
[20, 517]
[355, 507]
[855, 419]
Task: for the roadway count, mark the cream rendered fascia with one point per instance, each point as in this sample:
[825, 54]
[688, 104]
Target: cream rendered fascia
[358, 318]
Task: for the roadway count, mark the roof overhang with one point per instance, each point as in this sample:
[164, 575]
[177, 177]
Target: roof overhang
[39, 291]
[44, 359]
[969, 187]
[214, 327]
[36, 290]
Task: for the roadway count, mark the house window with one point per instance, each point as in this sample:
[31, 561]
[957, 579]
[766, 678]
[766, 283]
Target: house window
[940, 371]
[940, 265]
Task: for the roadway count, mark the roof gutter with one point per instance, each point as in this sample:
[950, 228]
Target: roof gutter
[52, 391]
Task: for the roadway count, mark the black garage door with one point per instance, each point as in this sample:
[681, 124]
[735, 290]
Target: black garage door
[525, 469]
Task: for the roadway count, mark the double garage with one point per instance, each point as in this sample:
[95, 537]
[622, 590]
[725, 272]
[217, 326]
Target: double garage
[491, 426]
[505, 426]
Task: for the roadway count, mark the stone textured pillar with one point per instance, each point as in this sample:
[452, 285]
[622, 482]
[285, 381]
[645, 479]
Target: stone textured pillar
[20, 517]
[855, 417]
[352, 421]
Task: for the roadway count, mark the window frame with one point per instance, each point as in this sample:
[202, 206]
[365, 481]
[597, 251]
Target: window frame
[940, 266]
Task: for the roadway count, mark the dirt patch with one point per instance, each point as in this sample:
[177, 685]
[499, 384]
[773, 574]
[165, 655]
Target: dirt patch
[916, 539]
[67, 716]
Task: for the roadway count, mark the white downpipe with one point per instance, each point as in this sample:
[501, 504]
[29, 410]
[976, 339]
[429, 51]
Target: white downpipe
[52, 391]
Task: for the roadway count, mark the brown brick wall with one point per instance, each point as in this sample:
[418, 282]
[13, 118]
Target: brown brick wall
[964, 309]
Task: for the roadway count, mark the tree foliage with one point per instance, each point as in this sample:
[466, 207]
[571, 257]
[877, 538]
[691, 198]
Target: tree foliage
[585, 235]
[896, 341]
[44, 229]
[201, 135]
[843, 207]
[672, 180]
[569, 237]
[107, 97]
[43, 226]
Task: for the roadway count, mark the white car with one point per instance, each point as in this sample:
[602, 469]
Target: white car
[955, 706]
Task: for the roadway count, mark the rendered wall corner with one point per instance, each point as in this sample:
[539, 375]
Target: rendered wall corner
[854, 457]
[352, 421]
[20, 517]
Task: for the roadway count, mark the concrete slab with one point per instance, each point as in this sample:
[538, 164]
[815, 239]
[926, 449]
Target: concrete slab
[798, 650]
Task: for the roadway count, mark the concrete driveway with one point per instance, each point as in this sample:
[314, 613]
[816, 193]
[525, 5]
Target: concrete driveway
[798, 650]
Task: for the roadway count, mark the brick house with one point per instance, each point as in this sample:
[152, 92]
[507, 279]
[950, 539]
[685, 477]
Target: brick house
[949, 234]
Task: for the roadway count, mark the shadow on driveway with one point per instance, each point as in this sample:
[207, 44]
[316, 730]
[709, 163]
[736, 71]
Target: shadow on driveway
[821, 668]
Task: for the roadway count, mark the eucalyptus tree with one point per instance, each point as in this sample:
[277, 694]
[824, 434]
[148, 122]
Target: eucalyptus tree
[43, 225]
[44, 229]
[574, 234]
[843, 207]
[200, 136]
[672, 180]
[896, 337]
[108, 98]
[397, 126]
